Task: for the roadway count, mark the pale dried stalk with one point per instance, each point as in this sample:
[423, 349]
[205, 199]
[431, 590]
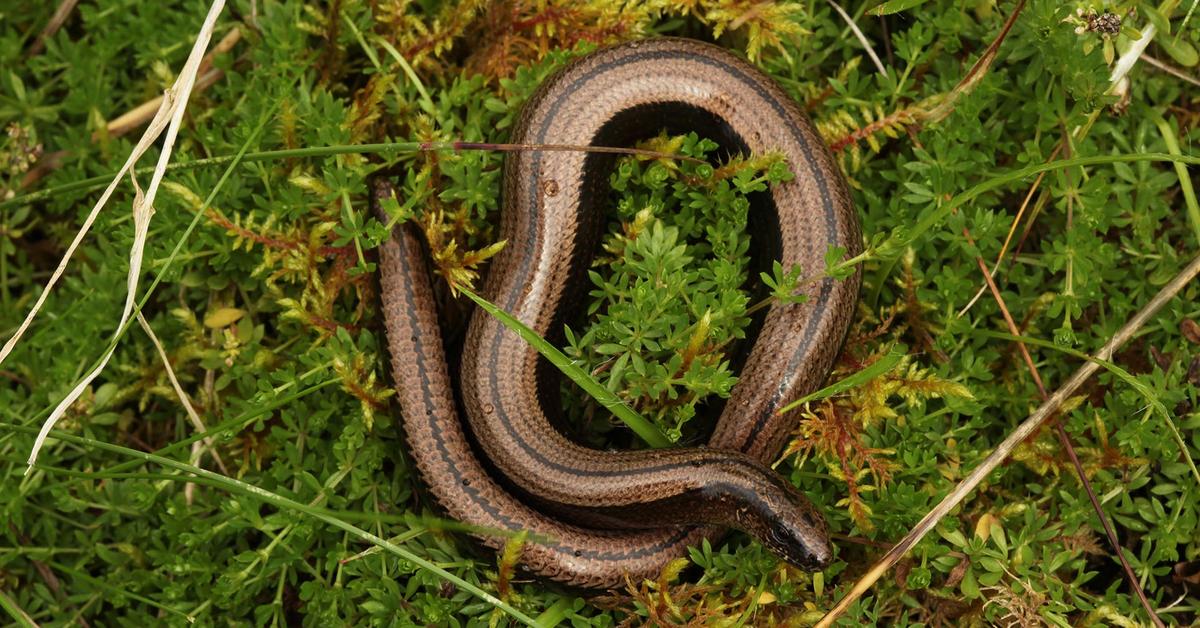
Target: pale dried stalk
[156, 127]
[1023, 431]
[64, 10]
[1172, 70]
[138, 116]
[169, 115]
[1124, 64]
[862, 37]
[193, 416]
[1131, 56]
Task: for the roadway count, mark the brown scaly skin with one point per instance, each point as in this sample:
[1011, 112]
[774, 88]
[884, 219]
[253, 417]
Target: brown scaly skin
[550, 220]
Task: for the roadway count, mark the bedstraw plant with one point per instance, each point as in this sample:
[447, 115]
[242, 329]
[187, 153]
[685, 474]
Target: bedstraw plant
[299, 504]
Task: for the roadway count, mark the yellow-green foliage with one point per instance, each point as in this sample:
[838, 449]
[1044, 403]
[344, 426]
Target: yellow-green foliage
[268, 311]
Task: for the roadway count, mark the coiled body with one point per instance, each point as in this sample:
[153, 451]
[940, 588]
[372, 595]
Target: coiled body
[551, 218]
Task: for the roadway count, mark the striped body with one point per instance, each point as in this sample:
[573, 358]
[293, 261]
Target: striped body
[586, 503]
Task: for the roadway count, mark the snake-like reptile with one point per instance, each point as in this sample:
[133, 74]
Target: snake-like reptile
[584, 503]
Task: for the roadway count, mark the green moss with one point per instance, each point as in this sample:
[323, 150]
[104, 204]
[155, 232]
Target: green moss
[298, 381]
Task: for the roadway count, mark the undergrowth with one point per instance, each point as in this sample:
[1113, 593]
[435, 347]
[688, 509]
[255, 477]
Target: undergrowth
[667, 302]
[269, 312]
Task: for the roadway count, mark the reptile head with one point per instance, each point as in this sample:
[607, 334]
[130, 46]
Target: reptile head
[797, 534]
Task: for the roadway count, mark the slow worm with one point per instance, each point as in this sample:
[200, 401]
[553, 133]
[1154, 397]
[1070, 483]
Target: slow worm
[586, 504]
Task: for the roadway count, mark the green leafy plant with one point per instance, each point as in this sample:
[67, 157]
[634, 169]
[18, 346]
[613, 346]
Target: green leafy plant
[667, 300]
[984, 139]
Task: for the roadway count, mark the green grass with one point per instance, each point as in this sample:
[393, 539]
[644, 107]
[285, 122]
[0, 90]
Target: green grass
[260, 286]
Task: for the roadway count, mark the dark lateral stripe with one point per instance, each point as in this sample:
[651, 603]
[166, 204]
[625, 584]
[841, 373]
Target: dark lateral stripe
[469, 489]
[830, 213]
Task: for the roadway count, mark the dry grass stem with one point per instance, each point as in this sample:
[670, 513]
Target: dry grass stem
[64, 10]
[1012, 230]
[1065, 440]
[144, 112]
[193, 416]
[1120, 70]
[1023, 431]
[169, 117]
[862, 38]
[1172, 70]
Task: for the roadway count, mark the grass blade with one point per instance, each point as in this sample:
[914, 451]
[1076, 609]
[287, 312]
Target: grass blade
[242, 488]
[879, 367]
[1121, 374]
[649, 432]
